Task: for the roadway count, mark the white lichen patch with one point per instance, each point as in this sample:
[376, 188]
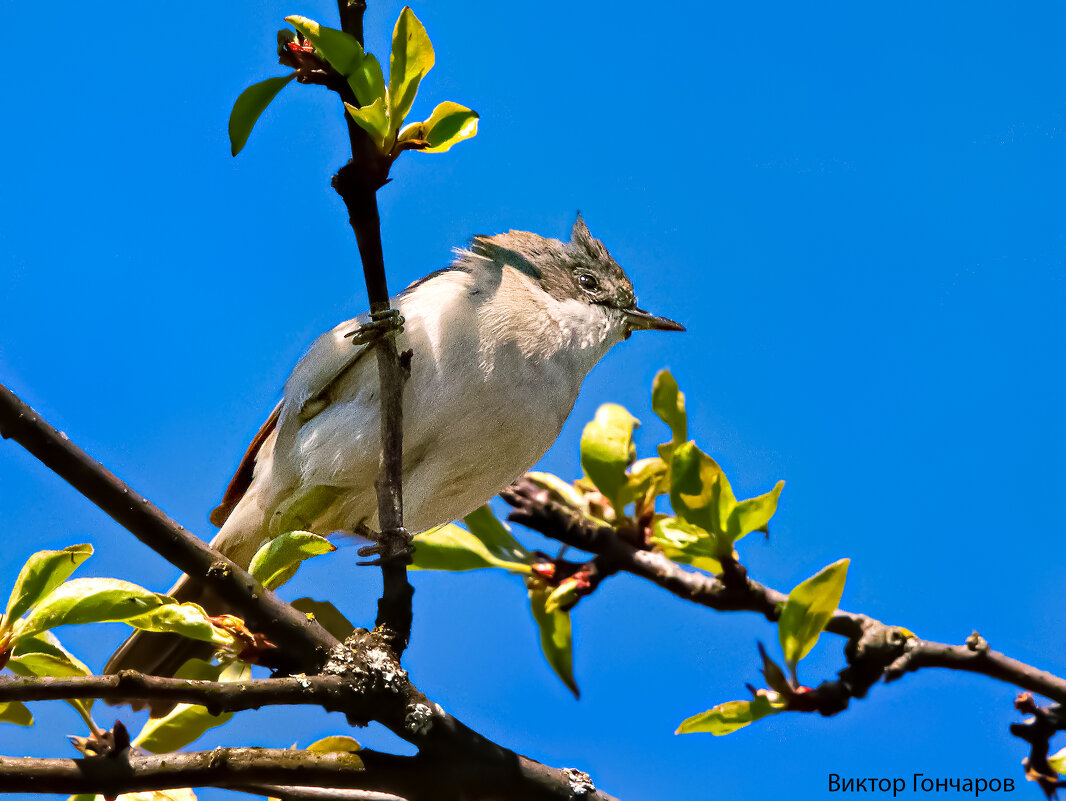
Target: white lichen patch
[419, 719]
[580, 782]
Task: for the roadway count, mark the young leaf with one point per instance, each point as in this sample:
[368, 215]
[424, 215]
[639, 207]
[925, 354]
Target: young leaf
[448, 124]
[373, 119]
[187, 722]
[346, 56]
[276, 561]
[42, 655]
[15, 712]
[42, 573]
[559, 491]
[701, 495]
[89, 600]
[327, 615]
[299, 512]
[668, 402]
[754, 514]
[342, 744]
[340, 49]
[1058, 761]
[555, 638]
[648, 479]
[686, 543]
[808, 609]
[412, 57]
[607, 450]
[482, 523]
[188, 619]
[453, 548]
[732, 715]
[250, 104]
[184, 724]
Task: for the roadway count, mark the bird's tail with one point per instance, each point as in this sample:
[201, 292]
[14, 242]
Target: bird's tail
[160, 654]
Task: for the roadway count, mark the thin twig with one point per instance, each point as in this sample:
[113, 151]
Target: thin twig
[357, 183]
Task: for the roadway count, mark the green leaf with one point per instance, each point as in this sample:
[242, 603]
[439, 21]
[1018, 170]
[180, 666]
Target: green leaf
[701, 495]
[197, 669]
[686, 544]
[449, 124]
[412, 57]
[346, 56]
[808, 609]
[732, 715]
[250, 104]
[775, 677]
[374, 120]
[607, 450]
[276, 561]
[43, 655]
[668, 402]
[340, 49]
[648, 479]
[15, 712]
[482, 523]
[90, 600]
[327, 615]
[1058, 761]
[188, 619]
[558, 490]
[339, 744]
[42, 573]
[555, 638]
[299, 512]
[184, 724]
[754, 514]
[453, 548]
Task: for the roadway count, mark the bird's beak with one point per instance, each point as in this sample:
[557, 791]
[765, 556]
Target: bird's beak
[640, 320]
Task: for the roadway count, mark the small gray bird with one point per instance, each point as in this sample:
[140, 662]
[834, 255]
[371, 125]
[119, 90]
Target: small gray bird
[501, 341]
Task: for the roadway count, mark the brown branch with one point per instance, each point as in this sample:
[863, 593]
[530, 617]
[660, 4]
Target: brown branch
[357, 183]
[356, 699]
[302, 645]
[874, 650]
[417, 778]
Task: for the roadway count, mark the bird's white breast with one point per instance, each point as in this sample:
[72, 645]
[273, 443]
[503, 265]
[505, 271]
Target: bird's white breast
[496, 366]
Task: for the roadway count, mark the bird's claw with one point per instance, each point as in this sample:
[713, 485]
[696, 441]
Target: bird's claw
[381, 323]
[389, 546]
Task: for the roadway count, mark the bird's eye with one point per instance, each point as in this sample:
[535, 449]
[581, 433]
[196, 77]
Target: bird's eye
[588, 282]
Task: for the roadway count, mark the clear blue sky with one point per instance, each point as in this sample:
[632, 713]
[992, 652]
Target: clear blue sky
[858, 211]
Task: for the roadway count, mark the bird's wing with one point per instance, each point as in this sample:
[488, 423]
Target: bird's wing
[242, 479]
[306, 393]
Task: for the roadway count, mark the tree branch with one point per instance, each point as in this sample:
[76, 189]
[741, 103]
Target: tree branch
[302, 645]
[417, 778]
[357, 183]
[874, 650]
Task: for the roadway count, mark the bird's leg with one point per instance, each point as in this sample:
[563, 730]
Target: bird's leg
[381, 323]
[391, 546]
[363, 338]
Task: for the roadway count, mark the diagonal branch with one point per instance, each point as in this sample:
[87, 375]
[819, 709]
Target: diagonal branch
[874, 650]
[303, 645]
[362, 660]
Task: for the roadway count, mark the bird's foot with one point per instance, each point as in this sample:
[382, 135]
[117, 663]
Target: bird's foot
[381, 323]
[389, 546]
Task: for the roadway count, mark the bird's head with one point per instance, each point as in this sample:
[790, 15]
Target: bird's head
[579, 270]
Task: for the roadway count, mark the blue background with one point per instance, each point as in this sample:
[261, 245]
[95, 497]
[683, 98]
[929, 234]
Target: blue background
[858, 212]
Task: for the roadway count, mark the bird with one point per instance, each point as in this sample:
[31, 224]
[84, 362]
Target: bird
[500, 342]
